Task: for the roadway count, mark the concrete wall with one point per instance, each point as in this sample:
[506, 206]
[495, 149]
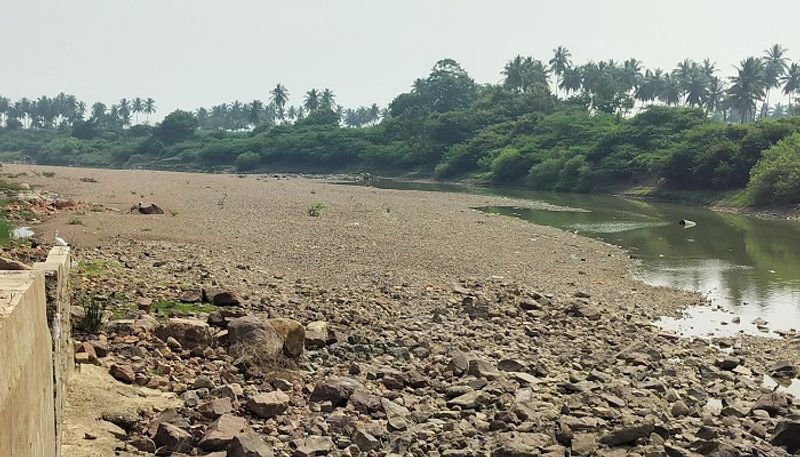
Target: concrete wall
[33, 365]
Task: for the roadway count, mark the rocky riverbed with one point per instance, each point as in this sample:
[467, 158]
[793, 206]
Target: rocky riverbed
[391, 323]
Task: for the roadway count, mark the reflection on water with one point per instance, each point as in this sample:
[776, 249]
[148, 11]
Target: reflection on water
[746, 265]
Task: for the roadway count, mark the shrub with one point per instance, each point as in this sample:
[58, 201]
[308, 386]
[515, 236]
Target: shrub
[247, 160]
[776, 177]
[315, 210]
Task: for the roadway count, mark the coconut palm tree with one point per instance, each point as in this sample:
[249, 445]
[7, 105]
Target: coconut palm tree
[327, 99]
[715, 96]
[137, 107]
[560, 62]
[255, 110]
[670, 90]
[279, 96]
[291, 114]
[311, 101]
[523, 73]
[374, 113]
[775, 66]
[571, 80]
[791, 83]
[747, 87]
[5, 106]
[149, 108]
[98, 112]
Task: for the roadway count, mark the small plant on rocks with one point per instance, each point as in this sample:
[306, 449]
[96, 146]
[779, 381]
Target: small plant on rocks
[315, 210]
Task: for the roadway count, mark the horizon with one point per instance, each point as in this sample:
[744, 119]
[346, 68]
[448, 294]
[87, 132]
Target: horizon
[69, 58]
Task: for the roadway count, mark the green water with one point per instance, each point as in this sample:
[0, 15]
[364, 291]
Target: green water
[749, 266]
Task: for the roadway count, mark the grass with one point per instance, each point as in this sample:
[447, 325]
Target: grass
[315, 210]
[93, 317]
[167, 308]
[173, 212]
[75, 221]
[96, 268]
[49, 174]
[734, 198]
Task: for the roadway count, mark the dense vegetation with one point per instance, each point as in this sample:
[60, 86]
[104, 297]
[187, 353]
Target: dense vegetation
[603, 125]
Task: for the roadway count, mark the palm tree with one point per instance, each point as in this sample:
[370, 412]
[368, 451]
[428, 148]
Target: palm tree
[571, 80]
[327, 99]
[255, 110]
[560, 62]
[747, 87]
[523, 73]
[311, 102]
[149, 108]
[137, 107]
[670, 92]
[374, 113]
[775, 66]
[791, 83]
[279, 96]
[291, 114]
[98, 111]
[696, 88]
[715, 95]
[5, 106]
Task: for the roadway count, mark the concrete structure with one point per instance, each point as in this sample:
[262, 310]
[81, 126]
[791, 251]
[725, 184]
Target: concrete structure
[35, 356]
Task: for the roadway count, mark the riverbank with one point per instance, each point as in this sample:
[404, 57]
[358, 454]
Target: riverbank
[451, 331]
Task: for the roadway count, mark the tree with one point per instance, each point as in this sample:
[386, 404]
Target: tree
[98, 111]
[560, 62]
[524, 73]
[255, 111]
[715, 95]
[311, 101]
[5, 106]
[791, 83]
[571, 80]
[327, 99]
[775, 66]
[176, 126]
[137, 107]
[747, 87]
[279, 96]
[149, 108]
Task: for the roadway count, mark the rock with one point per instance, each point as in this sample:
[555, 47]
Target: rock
[584, 444]
[316, 335]
[482, 369]
[729, 363]
[249, 444]
[254, 334]
[268, 405]
[775, 403]
[115, 430]
[221, 432]
[459, 363]
[469, 400]
[189, 332]
[87, 349]
[521, 444]
[365, 441]
[679, 409]
[293, 335]
[143, 444]
[511, 365]
[782, 369]
[173, 438]
[337, 390]
[361, 400]
[627, 434]
[312, 446]
[191, 296]
[220, 297]
[152, 208]
[216, 407]
[787, 434]
[100, 348]
[583, 308]
[123, 373]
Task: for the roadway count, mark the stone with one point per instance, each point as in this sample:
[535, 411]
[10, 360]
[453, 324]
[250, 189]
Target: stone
[584, 444]
[521, 444]
[268, 405]
[293, 335]
[100, 348]
[679, 409]
[173, 438]
[189, 332]
[728, 363]
[221, 432]
[775, 403]
[470, 400]
[144, 444]
[215, 407]
[191, 296]
[365, 441]
[627, 434]
[152, 208]
[220, 297]
[337, 390]
[782, 369]
[459, 363]
[316, 335]
[115, 430]
[787, 434]
[511, 365]
[361, 400]
[483, 369]
[87, 348]
[249, 444]
[254, 334]
[123, 373]
[312, 445]
[582, 308]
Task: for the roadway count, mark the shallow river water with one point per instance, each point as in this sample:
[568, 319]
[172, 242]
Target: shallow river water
[748, 266]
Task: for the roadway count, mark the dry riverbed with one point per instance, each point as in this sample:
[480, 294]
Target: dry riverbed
[429, 328]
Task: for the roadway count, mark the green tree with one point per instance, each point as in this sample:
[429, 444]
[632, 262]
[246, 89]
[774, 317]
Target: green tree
[311, 101]
[775, 66]
[279, 96]
[776, 177]
[149, 108]
[560, 62]
[747, 87]
[176, 126]
[137, 106]
[247, 160]
[791, 83]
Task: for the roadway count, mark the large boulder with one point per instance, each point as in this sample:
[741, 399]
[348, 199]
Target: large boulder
[189, 332]
[316, 335]
[221, 297]
[268, 405]
[173, 438]
[254, 336]
[221, 432]
[249, 444]
[293, 335]
[787, 433]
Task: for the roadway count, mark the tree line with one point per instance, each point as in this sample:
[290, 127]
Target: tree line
[63, 111]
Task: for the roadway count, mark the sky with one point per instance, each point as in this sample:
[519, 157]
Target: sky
[191, 53]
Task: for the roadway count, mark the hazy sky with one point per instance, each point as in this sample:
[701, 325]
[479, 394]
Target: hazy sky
[190, 53]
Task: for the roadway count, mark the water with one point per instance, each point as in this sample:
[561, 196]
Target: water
[749, 267]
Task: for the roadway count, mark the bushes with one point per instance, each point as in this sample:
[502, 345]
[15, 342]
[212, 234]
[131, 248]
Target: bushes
[776, 177]
[247, 160]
